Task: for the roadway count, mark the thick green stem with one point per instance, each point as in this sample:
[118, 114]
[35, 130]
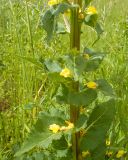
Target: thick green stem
[75, 44]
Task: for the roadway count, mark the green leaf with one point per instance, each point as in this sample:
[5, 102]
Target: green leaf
[78, 99]
[61, 8]
[52, 65]
[60, 28]
[41, 135]
[80, 64]
[37, 139]
[91, 20]
[34, 61]
[98, 29]
[93, 63]
[97, 127]
[60, 144]
[38, 156]
[48, 23]
[90, 51]
[81, 122]
[57, 79]
[105, 87]
[62, 154]
[87, 2]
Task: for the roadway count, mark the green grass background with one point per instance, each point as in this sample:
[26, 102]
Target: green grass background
[23, 86]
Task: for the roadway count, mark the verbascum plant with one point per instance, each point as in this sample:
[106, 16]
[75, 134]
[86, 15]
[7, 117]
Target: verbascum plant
[81, 133]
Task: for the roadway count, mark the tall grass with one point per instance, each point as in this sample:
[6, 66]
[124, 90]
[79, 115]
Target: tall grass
[23, 86]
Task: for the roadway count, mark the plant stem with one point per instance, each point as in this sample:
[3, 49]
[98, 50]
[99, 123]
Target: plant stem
[75, 44]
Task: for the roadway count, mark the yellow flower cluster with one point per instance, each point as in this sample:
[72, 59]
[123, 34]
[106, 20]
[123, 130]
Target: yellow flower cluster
[109, 153]
[81, 14]
[120, 153]
[66, 73]
[56, 128]
[92, 85]
[85, 154]
[53, 2]
[91, 10]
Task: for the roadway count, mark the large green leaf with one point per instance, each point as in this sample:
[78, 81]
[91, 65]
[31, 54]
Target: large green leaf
[52, 65]
[60, 144]
[93, 63]
[80, 64]
[98, 29]
[105, 87]
[91, 20]
[61, 8]
[48, 23]
[81, 122]
[95, 59]
[97, 127]
[83, 98]
[48, 19]
[63, 154]
[41, 135]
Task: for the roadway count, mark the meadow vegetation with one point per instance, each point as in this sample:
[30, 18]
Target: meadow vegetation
[25, 89]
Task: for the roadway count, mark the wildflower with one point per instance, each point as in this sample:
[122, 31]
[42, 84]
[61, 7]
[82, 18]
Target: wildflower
[70, 125]
[86, 56]
[81, 16]
[82, 110]
[120, 153]
[91, 10]
[109, 153]
[53, 2]
[63, 128]
[91, 85]
[108, 142]
[54, 128]
[85, 154]
[66, 73]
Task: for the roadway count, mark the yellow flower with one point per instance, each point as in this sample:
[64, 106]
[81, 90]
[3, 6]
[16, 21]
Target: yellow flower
[109, 153]
[53, 2]
[91, 85]
[82, 110]
[108, 142]
[85, 154]
[120, 153]
[91, 10]
[54, 128]
[66, 73]
[81, 16]
[63, 128]
[70, 125]
[86, 56]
